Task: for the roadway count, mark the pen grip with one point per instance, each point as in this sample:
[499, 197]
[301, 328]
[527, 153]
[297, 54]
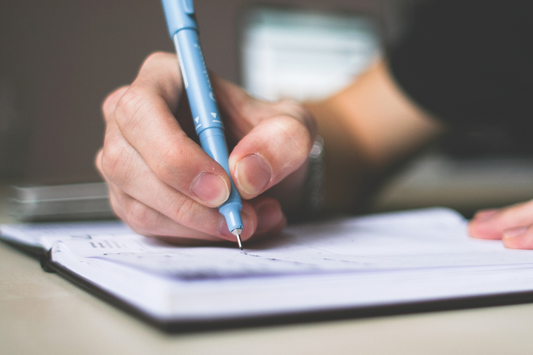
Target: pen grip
[214, 144]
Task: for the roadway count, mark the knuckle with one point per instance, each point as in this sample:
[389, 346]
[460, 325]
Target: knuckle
[129, 107]
[297, 135]
[110, 102]
[300, 114]
[98, 160]
[108, 106]
[141, 218]
[155, 58]
[166, 168]
[111, 157]
[175, 160]
[184, 208]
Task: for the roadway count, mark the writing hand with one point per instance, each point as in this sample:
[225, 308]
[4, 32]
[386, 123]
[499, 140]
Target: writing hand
[163, 184]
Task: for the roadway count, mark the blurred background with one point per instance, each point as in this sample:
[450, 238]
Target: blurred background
[59, 59]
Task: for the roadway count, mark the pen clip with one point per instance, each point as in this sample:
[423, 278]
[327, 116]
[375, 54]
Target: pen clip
[188, 6]
[180, 15]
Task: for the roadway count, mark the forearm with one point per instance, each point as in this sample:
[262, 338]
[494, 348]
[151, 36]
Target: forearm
[367, 127]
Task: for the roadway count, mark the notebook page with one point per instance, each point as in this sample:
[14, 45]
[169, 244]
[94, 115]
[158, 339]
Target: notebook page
[434, 238]
[377, 260]
[46, 234]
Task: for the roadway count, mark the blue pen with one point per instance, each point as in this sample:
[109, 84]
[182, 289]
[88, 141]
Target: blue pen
[183, 29]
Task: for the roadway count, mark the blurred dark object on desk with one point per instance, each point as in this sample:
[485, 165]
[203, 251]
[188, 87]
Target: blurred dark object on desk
[60, 202]
[489, 141]
[13, 133]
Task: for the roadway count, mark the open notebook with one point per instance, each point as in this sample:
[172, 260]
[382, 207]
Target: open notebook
[378, 264]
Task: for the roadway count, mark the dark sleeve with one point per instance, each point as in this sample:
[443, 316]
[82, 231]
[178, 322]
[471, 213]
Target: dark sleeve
[469, 63]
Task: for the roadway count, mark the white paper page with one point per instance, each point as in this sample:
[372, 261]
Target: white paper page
[433, 238]
[46, 234]
[370, 261]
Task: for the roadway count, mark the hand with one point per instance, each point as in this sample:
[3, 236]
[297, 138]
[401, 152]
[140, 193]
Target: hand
[513, 225]
[163, 184]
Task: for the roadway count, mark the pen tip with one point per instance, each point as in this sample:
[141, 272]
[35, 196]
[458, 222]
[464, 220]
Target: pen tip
[237, 232]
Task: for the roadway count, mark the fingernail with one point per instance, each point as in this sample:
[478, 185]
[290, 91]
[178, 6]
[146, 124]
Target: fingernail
[268, 216]
[514, 232]
[211, 189]
[253, 174]
[248, 227]
[483, 216]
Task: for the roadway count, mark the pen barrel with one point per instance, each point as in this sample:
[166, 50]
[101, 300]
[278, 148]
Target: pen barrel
[214, 144]
[202, 99]
[206, 116]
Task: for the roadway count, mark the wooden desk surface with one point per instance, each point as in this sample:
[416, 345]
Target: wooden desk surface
[43, 314]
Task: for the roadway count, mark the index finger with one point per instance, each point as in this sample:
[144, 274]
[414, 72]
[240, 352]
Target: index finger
[491, 224]
[144, 115]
